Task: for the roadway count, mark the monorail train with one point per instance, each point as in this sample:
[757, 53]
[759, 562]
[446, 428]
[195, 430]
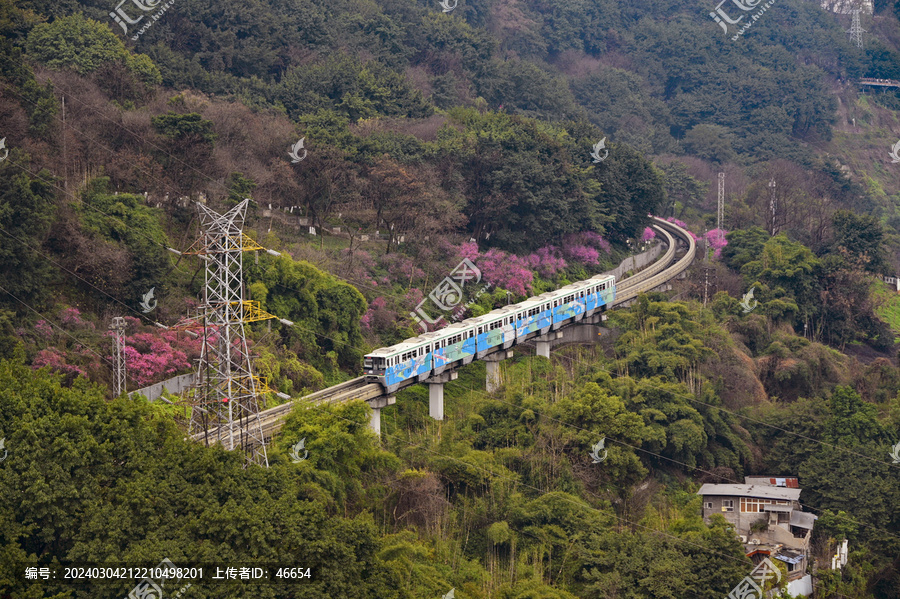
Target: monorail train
[432, 353]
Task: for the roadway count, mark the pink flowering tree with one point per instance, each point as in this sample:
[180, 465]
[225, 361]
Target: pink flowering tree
[715, 239]
[592, 239]
[378, 317]
[400, 268]
[358, 267]
[546, 261]
[507, 271]
[648, 235]
[156, 355]
[582, 254]
[54, 359]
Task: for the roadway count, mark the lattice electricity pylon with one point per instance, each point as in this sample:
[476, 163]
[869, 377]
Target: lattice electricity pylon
[226, 405]
[118, 329]
[856, 29]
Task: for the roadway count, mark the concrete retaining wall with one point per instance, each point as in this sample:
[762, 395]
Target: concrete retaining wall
[173, 385]
[637, 261]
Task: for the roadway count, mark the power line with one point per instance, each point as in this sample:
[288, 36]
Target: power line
[636, 448]
[540, 493]
[689, 398]
[50, 321]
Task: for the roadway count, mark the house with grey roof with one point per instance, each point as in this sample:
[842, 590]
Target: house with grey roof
[766, 514]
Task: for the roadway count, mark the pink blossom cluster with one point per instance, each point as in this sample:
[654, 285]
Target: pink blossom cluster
[716, 240]
[401, 268]
[648, 234]
[506, 271]
[582, 254]
[378, 317]
[592, 239]
[44, 329]
[71, 317]
[469, 250]
[546, 261]
[359, 266]
[54, 358]
[151, 357]
[684, 226]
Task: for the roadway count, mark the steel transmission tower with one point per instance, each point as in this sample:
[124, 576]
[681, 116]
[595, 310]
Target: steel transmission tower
[118, 329]
[856, 29]
[226, 406]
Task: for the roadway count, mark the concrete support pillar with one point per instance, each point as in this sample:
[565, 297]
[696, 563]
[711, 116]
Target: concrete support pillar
[377, 404]
[492, 381]
[436, 400]
[542, 343]
[436, 393]
[375, 421]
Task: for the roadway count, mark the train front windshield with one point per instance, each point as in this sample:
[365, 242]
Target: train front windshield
[374, 366]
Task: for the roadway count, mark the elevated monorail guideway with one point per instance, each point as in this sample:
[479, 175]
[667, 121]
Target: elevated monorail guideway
[434, 357]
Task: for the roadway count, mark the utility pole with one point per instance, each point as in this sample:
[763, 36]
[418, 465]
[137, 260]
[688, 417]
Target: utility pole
[65, 152]
[772, 203]
[118, 329]
[705, 285]
[720, 216]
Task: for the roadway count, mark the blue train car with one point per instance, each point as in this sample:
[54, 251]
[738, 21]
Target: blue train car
[419, 358]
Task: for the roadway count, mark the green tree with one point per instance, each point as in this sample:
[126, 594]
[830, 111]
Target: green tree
[85, 45]
[744, 246]
[26, 211]
[861, 238]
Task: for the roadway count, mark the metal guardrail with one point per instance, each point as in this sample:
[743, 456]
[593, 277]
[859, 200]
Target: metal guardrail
[659, 272]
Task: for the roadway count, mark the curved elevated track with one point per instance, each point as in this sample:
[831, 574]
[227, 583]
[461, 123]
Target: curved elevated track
[657, 274]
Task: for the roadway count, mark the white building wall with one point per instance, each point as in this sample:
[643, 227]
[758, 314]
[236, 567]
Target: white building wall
[801, 586]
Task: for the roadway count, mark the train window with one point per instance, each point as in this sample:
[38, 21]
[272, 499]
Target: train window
[480, 330]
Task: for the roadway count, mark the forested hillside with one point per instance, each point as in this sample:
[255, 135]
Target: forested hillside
[380, 143]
